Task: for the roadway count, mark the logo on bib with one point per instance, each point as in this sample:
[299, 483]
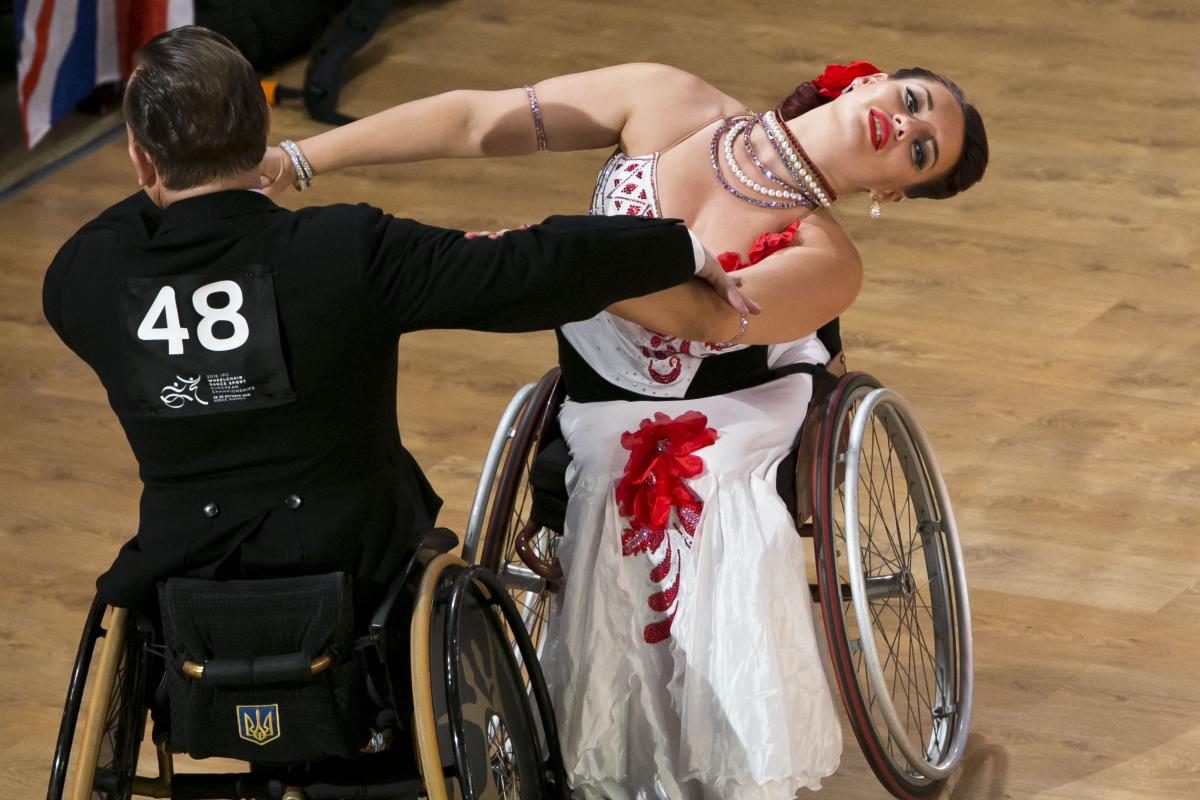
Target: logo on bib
[182, 392]
[258, 724]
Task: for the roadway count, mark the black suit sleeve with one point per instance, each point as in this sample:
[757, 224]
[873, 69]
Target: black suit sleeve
[563, 270]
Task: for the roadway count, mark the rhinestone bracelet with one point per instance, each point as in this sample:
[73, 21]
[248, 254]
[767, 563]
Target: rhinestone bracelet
[300, 166]
[743, 323]
[536, 109]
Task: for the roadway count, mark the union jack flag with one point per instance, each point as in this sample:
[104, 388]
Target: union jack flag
[68, 47]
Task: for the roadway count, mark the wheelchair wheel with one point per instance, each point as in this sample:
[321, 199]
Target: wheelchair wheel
[116, 722]
[892, 588]
[520, 552]
[477, 736]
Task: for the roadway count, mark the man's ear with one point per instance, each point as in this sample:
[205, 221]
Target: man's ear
[146, 173]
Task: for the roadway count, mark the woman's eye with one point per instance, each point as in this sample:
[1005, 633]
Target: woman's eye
[910, 101]
[918, 155]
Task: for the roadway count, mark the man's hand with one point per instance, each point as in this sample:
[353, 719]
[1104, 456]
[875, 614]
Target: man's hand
[726, 284]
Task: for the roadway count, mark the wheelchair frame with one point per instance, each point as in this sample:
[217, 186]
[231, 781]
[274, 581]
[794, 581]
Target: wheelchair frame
[465, 730]
[852, 422]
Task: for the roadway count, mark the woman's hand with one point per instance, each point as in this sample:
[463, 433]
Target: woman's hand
[726, 284]
[275, 172]
[494, 234]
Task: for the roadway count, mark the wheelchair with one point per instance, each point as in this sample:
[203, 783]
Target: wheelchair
[426, 702]
[863, 483]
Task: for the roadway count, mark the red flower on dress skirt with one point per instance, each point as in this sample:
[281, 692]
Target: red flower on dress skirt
[661, 457]
[836, 77]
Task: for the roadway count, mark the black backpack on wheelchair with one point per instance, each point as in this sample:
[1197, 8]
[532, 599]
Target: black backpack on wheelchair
[427, 699]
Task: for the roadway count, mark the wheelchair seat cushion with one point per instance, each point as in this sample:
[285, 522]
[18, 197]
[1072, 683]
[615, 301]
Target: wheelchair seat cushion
[258, 699]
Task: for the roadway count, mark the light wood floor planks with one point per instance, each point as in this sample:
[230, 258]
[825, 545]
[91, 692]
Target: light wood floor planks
[1046, 326]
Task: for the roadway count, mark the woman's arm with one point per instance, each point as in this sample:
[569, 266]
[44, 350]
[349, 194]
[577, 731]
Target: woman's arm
[798, 288]
[581, 111]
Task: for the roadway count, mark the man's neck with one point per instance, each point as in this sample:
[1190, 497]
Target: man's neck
[164, 197]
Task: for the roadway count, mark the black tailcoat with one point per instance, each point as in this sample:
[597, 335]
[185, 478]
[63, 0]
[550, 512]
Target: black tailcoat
[250, 351]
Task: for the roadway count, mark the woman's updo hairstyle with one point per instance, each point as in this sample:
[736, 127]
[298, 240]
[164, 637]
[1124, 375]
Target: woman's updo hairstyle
[804, 98]
[971, 164]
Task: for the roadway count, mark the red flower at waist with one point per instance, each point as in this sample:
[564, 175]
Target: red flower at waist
[766, 244]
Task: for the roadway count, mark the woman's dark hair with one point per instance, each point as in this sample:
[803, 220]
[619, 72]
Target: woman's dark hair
[971, 164]
[196, 106]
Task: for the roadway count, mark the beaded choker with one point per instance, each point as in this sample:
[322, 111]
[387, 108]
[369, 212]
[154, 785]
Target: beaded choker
[809, 172]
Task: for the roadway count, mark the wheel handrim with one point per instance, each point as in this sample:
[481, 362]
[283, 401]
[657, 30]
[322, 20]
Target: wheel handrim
[905, 588]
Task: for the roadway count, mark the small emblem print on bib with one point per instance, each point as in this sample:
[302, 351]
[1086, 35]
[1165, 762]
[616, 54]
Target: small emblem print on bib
[181, 392]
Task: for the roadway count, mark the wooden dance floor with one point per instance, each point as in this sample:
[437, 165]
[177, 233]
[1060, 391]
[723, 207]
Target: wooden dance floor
[1046, 327]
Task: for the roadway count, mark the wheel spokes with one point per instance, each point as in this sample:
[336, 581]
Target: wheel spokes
[909, 675]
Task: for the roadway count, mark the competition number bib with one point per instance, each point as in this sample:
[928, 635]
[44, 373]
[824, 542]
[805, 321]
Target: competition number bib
[204, 344]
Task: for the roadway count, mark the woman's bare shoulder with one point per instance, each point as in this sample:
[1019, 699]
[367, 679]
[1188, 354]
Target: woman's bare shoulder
[670, 104]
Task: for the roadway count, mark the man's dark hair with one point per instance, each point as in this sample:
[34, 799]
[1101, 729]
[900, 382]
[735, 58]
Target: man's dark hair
[196, 106]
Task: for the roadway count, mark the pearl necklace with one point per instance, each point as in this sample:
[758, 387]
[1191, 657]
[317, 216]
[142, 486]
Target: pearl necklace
[787, 193]
[789, 197]
[801, 170]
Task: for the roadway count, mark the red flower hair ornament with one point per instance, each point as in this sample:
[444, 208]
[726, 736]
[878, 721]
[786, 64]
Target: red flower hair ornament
[836, 77]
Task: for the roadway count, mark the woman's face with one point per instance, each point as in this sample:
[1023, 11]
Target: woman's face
[899, 133]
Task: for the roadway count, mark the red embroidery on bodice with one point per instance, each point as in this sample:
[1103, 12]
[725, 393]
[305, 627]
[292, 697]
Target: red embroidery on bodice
[630, 187]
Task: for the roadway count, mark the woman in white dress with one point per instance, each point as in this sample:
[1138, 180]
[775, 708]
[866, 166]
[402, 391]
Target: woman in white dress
[681, 653]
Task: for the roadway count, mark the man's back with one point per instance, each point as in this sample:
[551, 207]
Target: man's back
[250, 354]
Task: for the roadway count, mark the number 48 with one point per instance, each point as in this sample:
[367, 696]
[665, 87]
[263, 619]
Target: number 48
[165, 309]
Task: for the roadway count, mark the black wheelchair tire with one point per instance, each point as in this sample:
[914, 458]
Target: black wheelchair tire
[543, 774]
[442, 690]
[125, 722]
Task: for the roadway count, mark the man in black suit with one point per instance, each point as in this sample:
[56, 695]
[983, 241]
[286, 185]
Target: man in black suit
[250, 351]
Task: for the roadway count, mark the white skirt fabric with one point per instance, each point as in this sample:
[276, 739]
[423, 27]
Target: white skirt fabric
[734, 701]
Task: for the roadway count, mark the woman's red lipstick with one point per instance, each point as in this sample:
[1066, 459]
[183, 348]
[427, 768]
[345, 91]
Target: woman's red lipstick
[881, 128]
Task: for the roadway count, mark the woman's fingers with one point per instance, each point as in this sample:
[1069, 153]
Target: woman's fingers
[494, 234]
[274, 172]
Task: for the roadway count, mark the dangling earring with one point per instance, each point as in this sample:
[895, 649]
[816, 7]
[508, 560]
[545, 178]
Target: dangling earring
[875, 212]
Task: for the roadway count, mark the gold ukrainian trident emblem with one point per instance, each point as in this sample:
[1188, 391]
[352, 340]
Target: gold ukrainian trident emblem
[258, 724]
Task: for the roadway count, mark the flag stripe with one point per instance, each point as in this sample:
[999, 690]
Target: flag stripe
[180, 12]
[107, 70]
[49, 60]
[41, 33]
[78, 73]
[67, 47]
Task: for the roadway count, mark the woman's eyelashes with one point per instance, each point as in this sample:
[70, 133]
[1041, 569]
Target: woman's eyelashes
[918, 151]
